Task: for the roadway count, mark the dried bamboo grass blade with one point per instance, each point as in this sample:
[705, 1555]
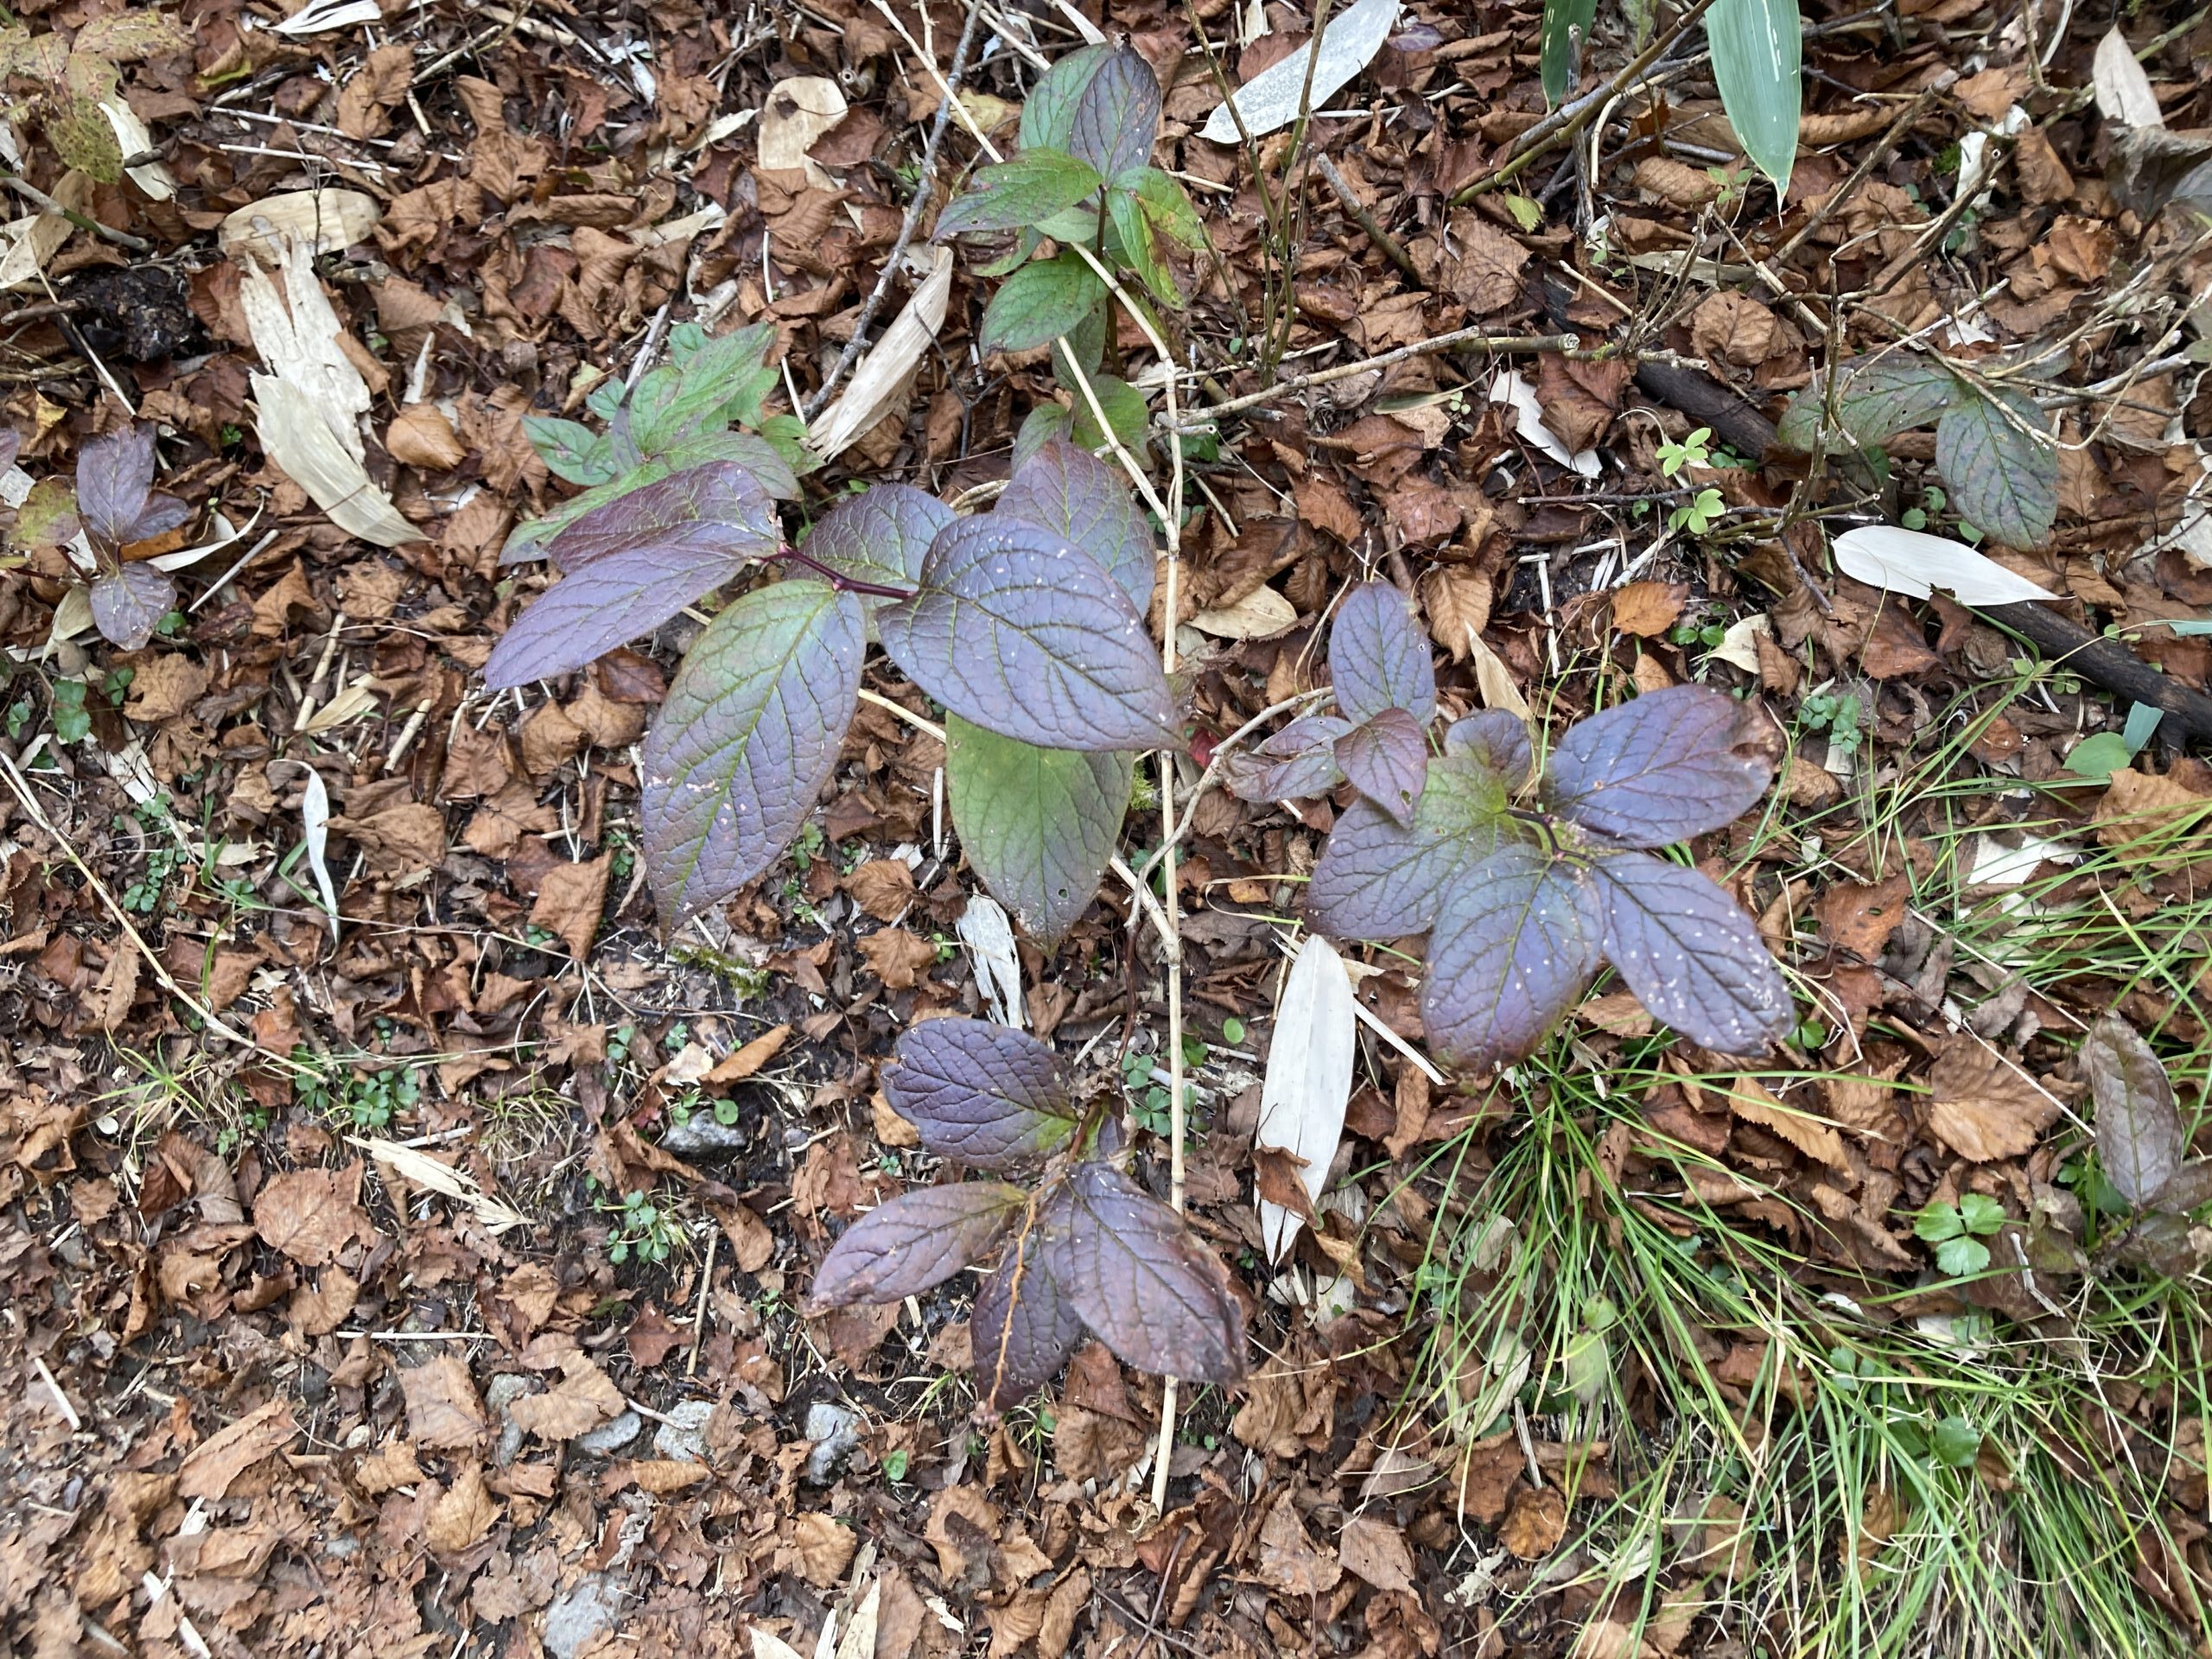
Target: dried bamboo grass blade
[323, 221]
[36, 237]
[293, 437]
[886, 371]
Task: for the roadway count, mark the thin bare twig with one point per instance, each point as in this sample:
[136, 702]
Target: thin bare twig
[1365, 219]
[24, 187]
[1471, 339]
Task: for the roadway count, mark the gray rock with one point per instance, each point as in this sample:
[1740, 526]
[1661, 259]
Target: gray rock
[609, 1437]
[835, 1430]
[501, 1392]
[703, 1138]
[578, 1616]
[683, 1437]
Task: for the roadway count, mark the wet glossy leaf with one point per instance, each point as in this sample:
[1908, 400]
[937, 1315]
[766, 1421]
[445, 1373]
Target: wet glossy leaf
[987, 1094]
[1378, 879]
[2140, 1137]
[1520, 937]
[1023, 1328]
[1658, 770]
[1013, 195]
[1876, 398]
[569, 449]
[130, 604]
[603, 604]
[1294, 764]
[1996, 458]
[878, 536]
[1048, 116]
[914, 1243]
[1043, 300]
[1378, 655]
[1085, 501]
[1143, 1283]
[1495, 739]
[1690, 954]
[1757, 50]
[1037, 825]
[115, 476]
[747, 737]
[1115, 115]
[715, 509]
[1386, 760]
[1025, 634]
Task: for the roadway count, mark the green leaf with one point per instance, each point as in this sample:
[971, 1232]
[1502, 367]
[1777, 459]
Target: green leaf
[2098, 757]
[47, 517]
[1995, 454]
[1040, 427]
[1756, 49]
[762, 459]
[1016, 194]
[81, 135]
[1876, 398]
[1978, 1213]
[1126, 413]
[1957, 1442]
[1039, 303]
[1938, 1223]
[1561, 17]
[1037, 825]
[724, 380]
[1168, 205]
[570, 449]
[1958, 1258]
[2143, 720]
[1141, 244]
[1086, 342]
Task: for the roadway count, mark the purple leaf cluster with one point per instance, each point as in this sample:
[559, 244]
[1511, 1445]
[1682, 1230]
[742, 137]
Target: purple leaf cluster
[1089, 1250]
[1524, 901]
[117, 505]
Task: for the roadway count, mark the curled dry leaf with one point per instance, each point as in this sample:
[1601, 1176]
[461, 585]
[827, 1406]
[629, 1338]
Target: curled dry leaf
[1308, 1081]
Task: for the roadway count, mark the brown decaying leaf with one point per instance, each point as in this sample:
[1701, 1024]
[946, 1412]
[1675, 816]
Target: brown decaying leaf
[1535, 1523]
[312, 1214]
[2140, 1139]
[1984, 1108]
[1288, 1561]
[582, 1399]
[1648, 609]
[223, 1456]
[444, 1409]
[1749, 1099]
[1371, 1548]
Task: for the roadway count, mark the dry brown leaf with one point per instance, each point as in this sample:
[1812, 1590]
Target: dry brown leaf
[391, 1465]
[1535, 1523]
[312, 1214]
[582, 1399]
[1733, 328]
[899, 958]
[229, 1453]
[1748, 1099]
[443, 1410]
[1859, 918]
[1288, 1561]
[1371, 1548]
[884, 888]
[569, 899]
[821, 1549]
[1648, 609]
[744, 1062]
[1457, 598]
[1984, 1108]
[463, 1515]
[421, 436]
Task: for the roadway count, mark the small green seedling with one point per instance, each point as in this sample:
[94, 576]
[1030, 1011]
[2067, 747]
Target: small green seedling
[1956, 1230]
[1838, 714]
[642, 1229]
[1690, 451]
[1699, 514]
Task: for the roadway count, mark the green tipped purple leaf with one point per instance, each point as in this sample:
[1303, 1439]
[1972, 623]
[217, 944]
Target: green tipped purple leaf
[1023, 633]
[716, 508]
[1115, 115]
[748, 736]
[1143, 1283]
[915, 1242]
[1037, 825]
[1518, 941]
[1690, 954]
[1386, 757]
[603, 604]
[1658, 770]
[1297, 762]
[1378, 656]
[1378, 879]
[1079, 498]
[881, 536]
[1497, 740]
[986, 1095]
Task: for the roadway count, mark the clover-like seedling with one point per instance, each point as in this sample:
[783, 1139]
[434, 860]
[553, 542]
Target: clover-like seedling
[115, 504]
[1085, 1250]
[1525, 886]
[1956, 1230]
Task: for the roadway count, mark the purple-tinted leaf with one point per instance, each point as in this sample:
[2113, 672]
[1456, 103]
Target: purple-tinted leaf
[914, 1243]
[1658, 770]
[2140, 1140]
[1994, 452]
[1025, 634]
[114, 473]
[1379, 880]
[1386, 760]
[987, 1094]
[1048, 113]
[2168, 1244]
[604, 603]
[160, 514]
[11, 441]
[1077, 497]
[747, 737]
[755, 454]
[1116, 115]
[1518, 941]
[1690, 954]
[1378, 655]
[1143, 1283]
[880, 536]
[1296, 763]
[716, 508]
[1038, 825]
[130, 604]
[1497, 740]
[1023, 1328]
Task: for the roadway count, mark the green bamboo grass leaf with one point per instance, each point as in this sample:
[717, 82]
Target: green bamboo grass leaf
[1757, 48]
[1563, 20]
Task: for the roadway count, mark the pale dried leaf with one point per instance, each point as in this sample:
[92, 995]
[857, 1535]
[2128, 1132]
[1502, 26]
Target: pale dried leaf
[1309, 1078]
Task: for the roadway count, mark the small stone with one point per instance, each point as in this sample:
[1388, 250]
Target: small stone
[501, 1393]
[609, 1437]
[835, 1430]
[683, 1436]
[704, 1138]
[578, 1616]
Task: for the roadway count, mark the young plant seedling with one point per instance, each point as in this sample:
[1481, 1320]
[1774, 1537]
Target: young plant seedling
[1084, 1250]
[1526, 886]
[115, 504]
[1956, 1230]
